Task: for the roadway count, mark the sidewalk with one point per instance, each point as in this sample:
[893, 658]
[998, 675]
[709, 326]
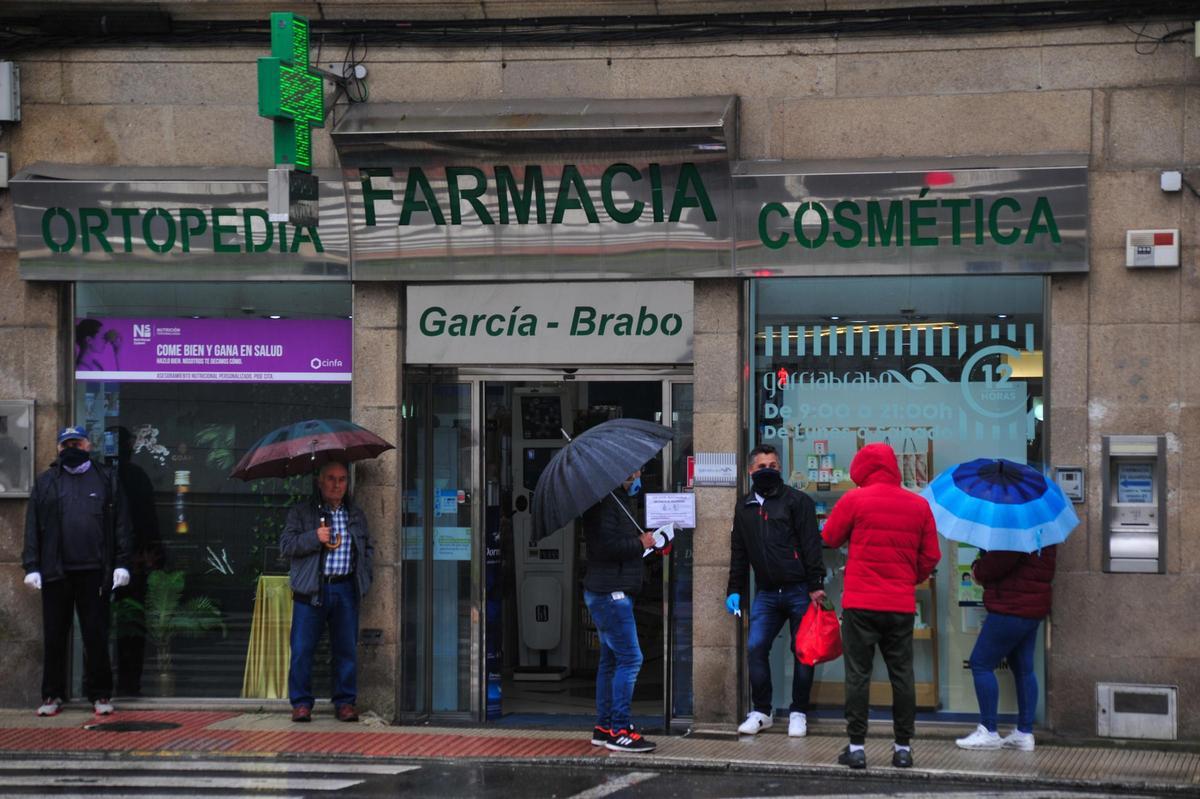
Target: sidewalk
[1171, 770]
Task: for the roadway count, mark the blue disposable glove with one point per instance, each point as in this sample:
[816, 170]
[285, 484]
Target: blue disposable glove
[733, 604]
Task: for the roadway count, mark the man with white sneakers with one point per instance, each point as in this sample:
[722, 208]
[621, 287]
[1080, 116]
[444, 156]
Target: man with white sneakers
[775, 531]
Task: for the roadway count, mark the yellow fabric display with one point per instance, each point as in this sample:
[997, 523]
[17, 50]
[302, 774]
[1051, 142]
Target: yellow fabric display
[269, 652]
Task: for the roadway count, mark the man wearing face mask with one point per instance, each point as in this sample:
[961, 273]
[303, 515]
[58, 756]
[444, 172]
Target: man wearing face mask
[775, 532]
[614, 578]
[77, 549]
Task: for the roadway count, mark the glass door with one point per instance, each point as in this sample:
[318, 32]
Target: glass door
[678, 404]
[438, 619]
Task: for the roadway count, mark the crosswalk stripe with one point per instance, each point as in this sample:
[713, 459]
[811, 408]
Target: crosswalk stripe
[239, 766]
[189, 781]
[1024, 793]
[611, 786]
[100, 793]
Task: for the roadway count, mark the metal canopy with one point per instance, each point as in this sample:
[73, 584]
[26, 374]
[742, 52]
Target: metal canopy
[372, 133]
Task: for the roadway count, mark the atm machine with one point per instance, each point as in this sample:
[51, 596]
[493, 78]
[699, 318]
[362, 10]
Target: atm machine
[1134, 489]
[545, 575]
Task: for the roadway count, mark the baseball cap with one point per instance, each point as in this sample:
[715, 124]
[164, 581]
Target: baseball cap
[67, 433]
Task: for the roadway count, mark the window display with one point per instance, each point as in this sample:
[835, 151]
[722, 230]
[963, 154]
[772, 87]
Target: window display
[944, 370]
[173, 384]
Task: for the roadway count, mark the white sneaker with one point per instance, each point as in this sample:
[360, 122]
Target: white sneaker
[1018, 740]
[982, 738]
[50, 707]
[103, 707]
[755, 723]
[797, 725]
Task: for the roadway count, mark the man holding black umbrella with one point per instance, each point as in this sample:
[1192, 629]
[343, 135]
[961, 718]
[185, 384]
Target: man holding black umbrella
[614, 577]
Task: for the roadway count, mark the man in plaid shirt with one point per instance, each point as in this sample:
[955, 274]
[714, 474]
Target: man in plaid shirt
[331, 552]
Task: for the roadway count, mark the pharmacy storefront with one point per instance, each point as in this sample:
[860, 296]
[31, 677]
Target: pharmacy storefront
[904, 303]
[526, 270]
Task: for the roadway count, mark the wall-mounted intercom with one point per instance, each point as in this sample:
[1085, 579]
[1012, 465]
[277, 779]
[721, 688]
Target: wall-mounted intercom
[1134, 473]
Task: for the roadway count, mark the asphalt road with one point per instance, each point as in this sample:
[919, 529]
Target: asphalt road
[273, 779]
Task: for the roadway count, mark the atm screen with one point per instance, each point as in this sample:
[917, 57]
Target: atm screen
[534, 463]
[541, 418]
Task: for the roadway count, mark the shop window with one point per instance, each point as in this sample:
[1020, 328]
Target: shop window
[945, 370]
[174, 383]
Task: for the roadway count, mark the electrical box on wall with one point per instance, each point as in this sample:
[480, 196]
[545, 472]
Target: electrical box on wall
[1151, 248]
[10, 92]
[1136, 711]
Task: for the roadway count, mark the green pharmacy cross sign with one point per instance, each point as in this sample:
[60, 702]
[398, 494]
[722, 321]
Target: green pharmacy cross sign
[289, 92]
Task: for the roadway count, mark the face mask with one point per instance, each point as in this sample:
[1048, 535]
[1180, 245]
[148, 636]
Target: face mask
[73, 458]
[635, 487]
[765, 481]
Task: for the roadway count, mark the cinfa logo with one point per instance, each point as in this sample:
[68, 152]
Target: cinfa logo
[326, 363]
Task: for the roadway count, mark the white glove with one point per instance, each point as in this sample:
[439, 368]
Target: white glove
[34, 580]
[120, 578]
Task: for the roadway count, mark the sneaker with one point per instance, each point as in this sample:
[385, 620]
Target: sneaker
[1018, 740]
[50, 707]
[628, 740]
[601, 735]
[982, 738]
[855, 759]
[755, 723]
[902, 758]
[797, 725]
[103, 707]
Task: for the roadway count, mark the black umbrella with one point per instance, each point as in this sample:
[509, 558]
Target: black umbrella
[590, 466]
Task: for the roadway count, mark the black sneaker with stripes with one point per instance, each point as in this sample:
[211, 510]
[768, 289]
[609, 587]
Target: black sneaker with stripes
[601, 735]
[629, 740]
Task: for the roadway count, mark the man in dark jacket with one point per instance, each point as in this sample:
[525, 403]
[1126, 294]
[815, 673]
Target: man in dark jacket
[614, 577]
[893, 547]
[77, 550]
[331, 551]
[775, 531]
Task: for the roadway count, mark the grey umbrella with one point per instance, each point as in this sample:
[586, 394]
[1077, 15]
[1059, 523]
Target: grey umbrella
[590, 466]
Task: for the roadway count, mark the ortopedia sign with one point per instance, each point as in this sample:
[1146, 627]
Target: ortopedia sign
[561, 324]
[172, 230]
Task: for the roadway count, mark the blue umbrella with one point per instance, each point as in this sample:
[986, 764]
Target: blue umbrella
[1000, 504]
[590, 467]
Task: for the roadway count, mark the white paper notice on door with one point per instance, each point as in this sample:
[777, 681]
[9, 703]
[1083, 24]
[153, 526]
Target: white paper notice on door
[666, 508]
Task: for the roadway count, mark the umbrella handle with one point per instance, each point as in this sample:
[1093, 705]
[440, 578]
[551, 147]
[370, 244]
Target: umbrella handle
[627, 513]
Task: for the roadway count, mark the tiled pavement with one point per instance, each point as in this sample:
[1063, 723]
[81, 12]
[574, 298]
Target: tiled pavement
[1165, 770]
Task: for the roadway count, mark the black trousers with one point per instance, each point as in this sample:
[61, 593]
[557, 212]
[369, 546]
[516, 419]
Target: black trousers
[862, 631]
[77, 593]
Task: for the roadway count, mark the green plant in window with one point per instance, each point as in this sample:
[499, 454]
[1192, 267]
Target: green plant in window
[165, 615]
[218, 439]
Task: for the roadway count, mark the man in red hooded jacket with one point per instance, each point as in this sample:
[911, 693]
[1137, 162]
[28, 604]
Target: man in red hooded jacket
[893, 548]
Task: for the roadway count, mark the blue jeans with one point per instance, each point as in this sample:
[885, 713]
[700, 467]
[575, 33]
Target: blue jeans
[620, 658]
[338, 610]
[770, 610]
[1015, 639]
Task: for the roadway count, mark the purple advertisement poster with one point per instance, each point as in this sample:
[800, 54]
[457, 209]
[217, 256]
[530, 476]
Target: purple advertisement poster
[213, 350]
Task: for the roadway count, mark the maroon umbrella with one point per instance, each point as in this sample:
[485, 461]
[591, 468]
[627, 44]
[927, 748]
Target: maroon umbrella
[302, 447]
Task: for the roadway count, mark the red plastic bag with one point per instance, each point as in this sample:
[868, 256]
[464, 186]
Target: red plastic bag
[819, 638]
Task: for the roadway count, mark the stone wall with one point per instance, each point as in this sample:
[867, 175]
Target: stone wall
[1119, 340]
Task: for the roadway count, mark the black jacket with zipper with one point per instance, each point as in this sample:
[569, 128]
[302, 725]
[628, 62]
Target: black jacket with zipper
[614, 548]
[779, 539]
[44, 525]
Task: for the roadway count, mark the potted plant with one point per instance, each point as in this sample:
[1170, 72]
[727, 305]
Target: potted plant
[165, 615]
